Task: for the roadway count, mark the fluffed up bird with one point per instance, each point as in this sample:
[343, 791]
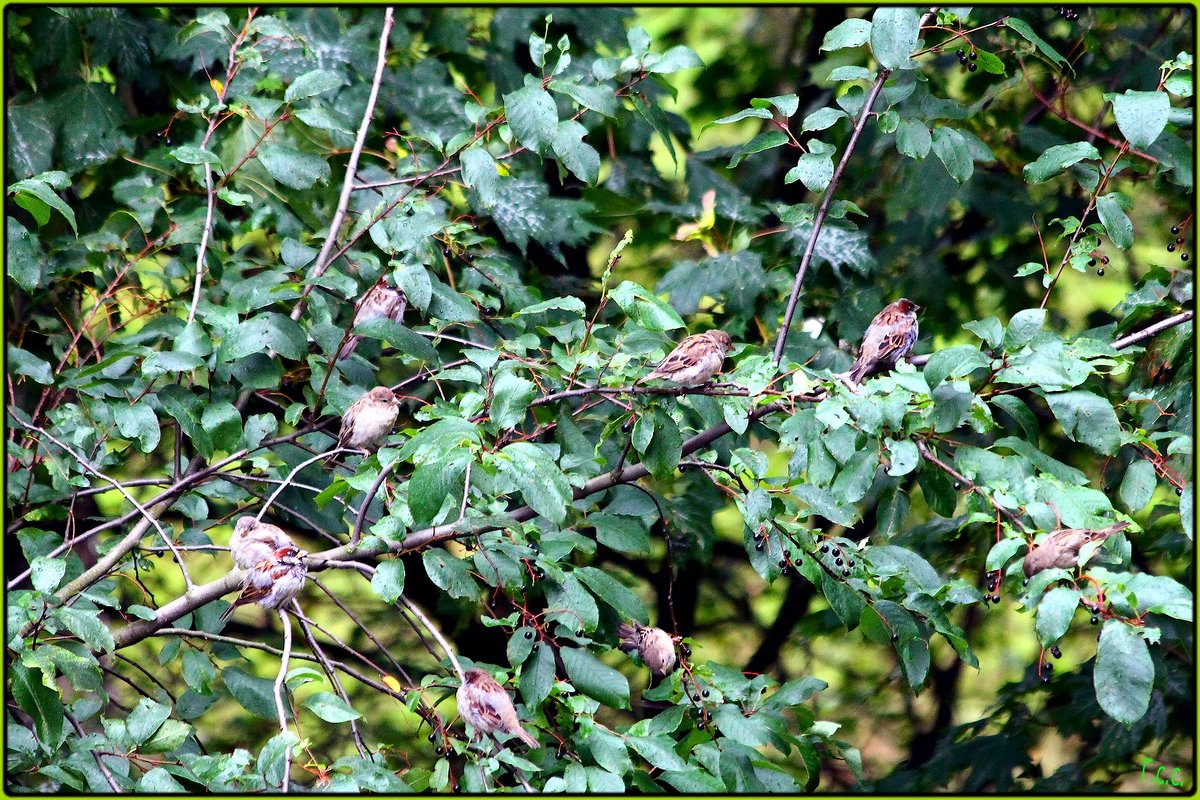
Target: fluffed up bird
[369, 419]
[485, 705]
[694, 360]
[889, 338]
[381, 300]
[254, 541]
[273, 582]
[654, 646]
[1061, 548]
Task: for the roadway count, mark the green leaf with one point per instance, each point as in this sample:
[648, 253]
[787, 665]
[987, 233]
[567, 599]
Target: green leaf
[189, 154]
[41, 703]
[313, 83]
[1002, 552]
[953, 362]
[1124, 673]
[1159, 594]
[1137, 487]
[432, 482]
[223, 423]
[1022, 27]
[146, 718]
[331, 708]
[822, 118]
[1115, 221]
[659, 751]
[951, 149]
[520, 645]
[479, 173]
[158, 781]
[904, 457]
[1054, 613]
[40, 189]
[256, 695]
[263, 332]
[1023, 326]
[531, 469]
[87, 626]
[1141, 116]
[532, 116]
[598, 681]
[46, 573]
[413, 280]
[600, 99]
[24, 255]
[913, 139]
[768, 140]
[168, 737]
[388, 580]
[894, 34]
[646, 310]
[623, 534]
[537, 676]
[614, 593]
[814, 170]
[272, 760]
[1087, 418]
[661, 456]
[850, 33]
[1055, 159]
[511, 396]
[450, 574]
[575, 154]
[162, 362]
[292, 168]
[914, 661]
[22, 362]
[677, 58]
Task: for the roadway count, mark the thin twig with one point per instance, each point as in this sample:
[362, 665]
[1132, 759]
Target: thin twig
[104, 770]
[330, 673]
[1152, 330]
[823, 210]
[323, 259]
[279, 704]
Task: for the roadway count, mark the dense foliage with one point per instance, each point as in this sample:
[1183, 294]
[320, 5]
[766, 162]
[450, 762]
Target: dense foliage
[198, 198]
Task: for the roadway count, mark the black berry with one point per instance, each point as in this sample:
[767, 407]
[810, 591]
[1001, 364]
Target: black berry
[972, 67]
[787, 553]
[1091, 262]
[959, 53]
[895, 637]
[687, 651]
[850, 563]
[1179, 240]
[824, 548]
[1054, 651]
[1025, 582]
[837, 562]
[973, 55]
[782, 563]
[528, 634]
[759, 547]
[1183, 256]
[1045, 679]
[446, 252]
[705, 693]
[579, 632]
[1178, 491]
[1095, 620]
[845, 573]
[695, 698]
[1171, 248]
[785, 571]
[957, 485]
[1174, 228]
[996, 598]
[431, 737]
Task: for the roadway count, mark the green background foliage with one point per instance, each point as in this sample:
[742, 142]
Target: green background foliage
[563, 194]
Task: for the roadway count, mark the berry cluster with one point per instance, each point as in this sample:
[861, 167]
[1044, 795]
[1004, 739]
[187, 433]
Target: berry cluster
[1067, 13]
[967, 60]
[1178, 231]
[1096, 254]
[840, 559]
[992, 593]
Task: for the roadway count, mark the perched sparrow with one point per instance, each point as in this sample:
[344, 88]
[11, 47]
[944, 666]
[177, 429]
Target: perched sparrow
[369, 419]
[274, 581]
[381, 300]
[695, 360]
[653, 645]
[487, 707]
[889, 338]
[1061, 548]
[254, 541]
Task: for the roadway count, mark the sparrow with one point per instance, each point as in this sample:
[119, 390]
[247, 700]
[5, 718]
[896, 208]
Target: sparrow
[369, 420]
[487, 707]
[694, 360]
[253, 541]
[889, 338]
[273, 582]
[654, 646]
[380, 301]
[1061, 548]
